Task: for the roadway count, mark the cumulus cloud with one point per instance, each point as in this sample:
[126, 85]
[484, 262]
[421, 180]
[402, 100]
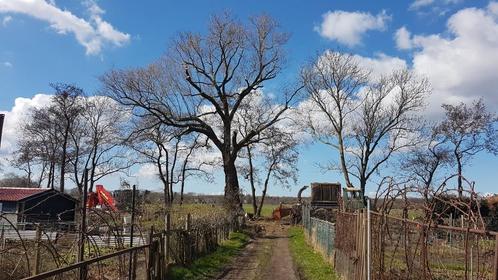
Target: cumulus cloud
[381, 64]
[15, 117]
[348, 27]
[463, 65]
[7, 64]
[92, 33]
[402, 38]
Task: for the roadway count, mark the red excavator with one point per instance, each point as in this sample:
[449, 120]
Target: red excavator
[101, 197]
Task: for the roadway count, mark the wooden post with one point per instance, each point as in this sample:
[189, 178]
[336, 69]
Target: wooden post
[82, 235]
[150, 262]
[167, 233]
[188, 245]
[2, 240]
[466, 244]
[495, 276]
[36, 267]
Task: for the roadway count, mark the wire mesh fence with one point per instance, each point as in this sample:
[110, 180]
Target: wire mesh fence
[321, 234]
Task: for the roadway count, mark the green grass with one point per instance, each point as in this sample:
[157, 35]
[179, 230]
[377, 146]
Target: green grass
[267, 210]
[310, 264]
[208, 266]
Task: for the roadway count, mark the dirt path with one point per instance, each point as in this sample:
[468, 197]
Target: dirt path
[267, 257]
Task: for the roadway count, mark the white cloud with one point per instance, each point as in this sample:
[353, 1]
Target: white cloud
[93, 34]
[147, 171]
[419, 4]
[403, 40]
[381, 64]
[348, 27]
[15, 117]
[7, 64]
[6, 20]
[464, 65]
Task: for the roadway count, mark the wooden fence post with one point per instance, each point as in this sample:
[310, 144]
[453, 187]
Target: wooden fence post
[495, 272]
[150, 259]
[2, 240]
[188, 245]
[167, 233]
[36, 267]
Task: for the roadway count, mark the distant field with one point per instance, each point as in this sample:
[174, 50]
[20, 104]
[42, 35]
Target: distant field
[413, 214]
[265, 212]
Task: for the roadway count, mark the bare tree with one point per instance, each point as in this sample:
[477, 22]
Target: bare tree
[333, 82]
[46, 135]
[26, 159]
[364, 119]
[66, 108]
[468, 130]
[170, 150]
[274, 156]
[39, 144]
[385, 122]
[99, 141]
[208, 77]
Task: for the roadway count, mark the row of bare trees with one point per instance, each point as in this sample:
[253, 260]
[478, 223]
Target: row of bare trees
[207, 95]
[72, 133]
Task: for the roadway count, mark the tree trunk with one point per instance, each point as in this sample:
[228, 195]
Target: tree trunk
[251, 179]
[460, 183]
[265, 188]
[344, 167]
[232, 198]
[63, 159]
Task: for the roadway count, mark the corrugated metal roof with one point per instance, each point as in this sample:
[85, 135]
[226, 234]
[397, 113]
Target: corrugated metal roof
[16, 194]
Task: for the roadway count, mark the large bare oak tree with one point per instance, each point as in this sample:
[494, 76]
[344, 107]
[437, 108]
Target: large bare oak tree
[201, 82]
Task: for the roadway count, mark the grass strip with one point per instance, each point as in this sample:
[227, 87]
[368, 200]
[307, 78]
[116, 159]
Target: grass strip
[310, 264]
[208, 266]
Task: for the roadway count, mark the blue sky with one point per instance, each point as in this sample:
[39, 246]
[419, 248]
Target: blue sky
[459, 37]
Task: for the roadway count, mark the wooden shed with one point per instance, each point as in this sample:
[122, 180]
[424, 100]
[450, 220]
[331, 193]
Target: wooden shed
[23, 206]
